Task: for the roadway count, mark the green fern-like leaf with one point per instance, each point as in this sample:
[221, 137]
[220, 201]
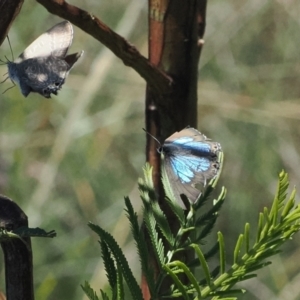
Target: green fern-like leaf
[91, 294]
[109, 265]
[120, 260]
[275, 227]
[163, 224]
[156, 241]
[213, 210]
[120, 295]
[148, 175]
[141, 246]
[104, 295]
[181, 287]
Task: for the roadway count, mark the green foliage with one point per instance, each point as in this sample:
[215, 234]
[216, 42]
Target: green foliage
[275, 226]
[91, 293]
[121, 262]
[24, 232]
[34, 232]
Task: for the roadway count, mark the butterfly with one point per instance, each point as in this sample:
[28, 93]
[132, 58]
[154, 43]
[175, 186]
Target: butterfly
[44, 65]
[190, 159]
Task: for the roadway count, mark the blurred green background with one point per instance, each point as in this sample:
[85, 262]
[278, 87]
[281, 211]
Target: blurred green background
[73, 158]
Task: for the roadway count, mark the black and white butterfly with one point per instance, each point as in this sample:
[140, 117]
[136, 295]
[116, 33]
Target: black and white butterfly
[44, 65]
[190, 159]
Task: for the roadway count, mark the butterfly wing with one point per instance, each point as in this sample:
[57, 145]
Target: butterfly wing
[190, 160]
[55, 41]
[43, 75]
[193, 140]
[71, 59]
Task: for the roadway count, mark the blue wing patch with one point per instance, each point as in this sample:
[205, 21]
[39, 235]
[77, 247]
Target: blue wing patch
[185, 167]
[189, 143]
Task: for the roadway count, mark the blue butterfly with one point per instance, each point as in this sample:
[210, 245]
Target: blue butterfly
[190, 159]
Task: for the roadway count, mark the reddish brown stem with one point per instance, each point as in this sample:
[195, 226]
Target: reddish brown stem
[176, 29]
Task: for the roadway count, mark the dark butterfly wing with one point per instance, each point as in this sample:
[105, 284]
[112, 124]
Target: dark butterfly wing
[193, 140]
[190, 160]
[44, 75]
[71, 59]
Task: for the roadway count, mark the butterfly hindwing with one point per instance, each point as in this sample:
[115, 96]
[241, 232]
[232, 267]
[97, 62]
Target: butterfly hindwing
[190, 160]
[43, 75]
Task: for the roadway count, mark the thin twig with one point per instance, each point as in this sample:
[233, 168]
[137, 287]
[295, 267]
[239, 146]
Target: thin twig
[130, 56]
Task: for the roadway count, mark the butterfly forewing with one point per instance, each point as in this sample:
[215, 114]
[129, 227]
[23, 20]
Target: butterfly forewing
[190, 160]
[55, 41]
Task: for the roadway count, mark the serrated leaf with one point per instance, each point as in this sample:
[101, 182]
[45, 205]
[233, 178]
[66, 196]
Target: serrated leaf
[162, 223]
[207, 229]
[212, 212]
[104, 295]
[121, 261]
[90, 293]
[120, 287]
[156, 242]
[109, 265]
[141, 246]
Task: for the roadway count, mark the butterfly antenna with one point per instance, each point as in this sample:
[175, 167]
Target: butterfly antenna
[152, 137]
[9, 89]
[12, 54]
[3, 62]
[4, 79]
[7, 60]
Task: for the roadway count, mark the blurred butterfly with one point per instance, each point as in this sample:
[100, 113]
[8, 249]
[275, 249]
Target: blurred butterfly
[44, 65]
[190, 159]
